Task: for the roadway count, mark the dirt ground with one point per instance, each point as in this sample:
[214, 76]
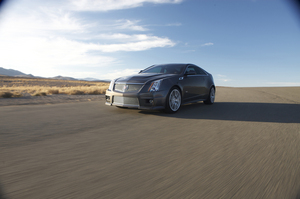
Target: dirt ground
[49, 99]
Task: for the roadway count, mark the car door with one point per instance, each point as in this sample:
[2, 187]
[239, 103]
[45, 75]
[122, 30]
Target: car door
[191, 84]
[202, 82]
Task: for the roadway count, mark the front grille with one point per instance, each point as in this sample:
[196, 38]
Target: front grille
[126, 100]
[128, 87]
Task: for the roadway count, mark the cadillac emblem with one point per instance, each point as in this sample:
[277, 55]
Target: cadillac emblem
[125, 88]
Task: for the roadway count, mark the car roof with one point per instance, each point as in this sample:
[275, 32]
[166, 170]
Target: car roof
[172, 64]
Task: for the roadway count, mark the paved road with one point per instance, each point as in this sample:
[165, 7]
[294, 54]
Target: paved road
[246, 145]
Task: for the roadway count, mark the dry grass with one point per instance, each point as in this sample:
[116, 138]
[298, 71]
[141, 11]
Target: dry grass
[40, 94]
[53, 91]
[41, 87]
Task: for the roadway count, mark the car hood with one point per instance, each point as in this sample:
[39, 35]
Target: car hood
[143, 77]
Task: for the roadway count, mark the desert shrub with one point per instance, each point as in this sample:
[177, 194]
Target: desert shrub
[53, 91]
[40, 94]
[17, 95]
[41, 87]
[101, 91]
[6, 94]
[9, 94]
[94, 92]
[76, 92]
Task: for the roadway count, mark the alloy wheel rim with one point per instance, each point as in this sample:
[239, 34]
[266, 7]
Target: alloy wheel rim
[175, 100]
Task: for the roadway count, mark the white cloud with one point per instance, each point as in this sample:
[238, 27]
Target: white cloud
[208, 44]
[222, 78]
[46, 41]
[221, 75]
[37, 42]
[174, 24]
[135, 43]
[129, 25]
[41, 22]
[41, 53]
[115, 36]
[81, 74]
[106, 5]
[53, 19]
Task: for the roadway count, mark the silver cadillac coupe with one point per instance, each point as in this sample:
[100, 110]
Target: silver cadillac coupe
[165, 86]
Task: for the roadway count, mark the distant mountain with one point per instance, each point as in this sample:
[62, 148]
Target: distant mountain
[89, 79]
[105, 80]
[16, 73]
[29, 75]
[63, 78]
[11, 72]
[94, 79]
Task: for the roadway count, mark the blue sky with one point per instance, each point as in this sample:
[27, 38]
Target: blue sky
[241, 42]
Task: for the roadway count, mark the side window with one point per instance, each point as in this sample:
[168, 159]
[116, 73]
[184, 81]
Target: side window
[196, 69]
[199, 71]
[191, 68]
[167, 70]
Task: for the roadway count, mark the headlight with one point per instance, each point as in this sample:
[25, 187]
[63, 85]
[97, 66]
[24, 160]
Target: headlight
[111, 85]
[155, 85]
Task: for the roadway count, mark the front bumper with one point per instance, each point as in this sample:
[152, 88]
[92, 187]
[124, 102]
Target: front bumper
[149, 100]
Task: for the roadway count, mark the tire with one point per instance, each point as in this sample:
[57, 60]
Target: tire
[173, 101]
[122, 107]
[211, 97]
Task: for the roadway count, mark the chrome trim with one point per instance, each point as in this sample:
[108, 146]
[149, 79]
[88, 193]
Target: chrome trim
[140, 85]
[125, 105]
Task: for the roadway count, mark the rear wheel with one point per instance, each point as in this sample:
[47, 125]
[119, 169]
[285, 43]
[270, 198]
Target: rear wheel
[173, 102]
[211, 97]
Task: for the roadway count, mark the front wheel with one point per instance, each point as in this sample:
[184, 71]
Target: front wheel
[122, 107]
[211, 97]
[173, 101]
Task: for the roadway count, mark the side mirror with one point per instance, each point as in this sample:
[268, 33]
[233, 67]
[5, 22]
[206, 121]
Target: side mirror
[190, 72]
[140, 71]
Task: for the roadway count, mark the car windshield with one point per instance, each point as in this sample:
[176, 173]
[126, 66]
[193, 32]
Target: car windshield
[166, 69]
